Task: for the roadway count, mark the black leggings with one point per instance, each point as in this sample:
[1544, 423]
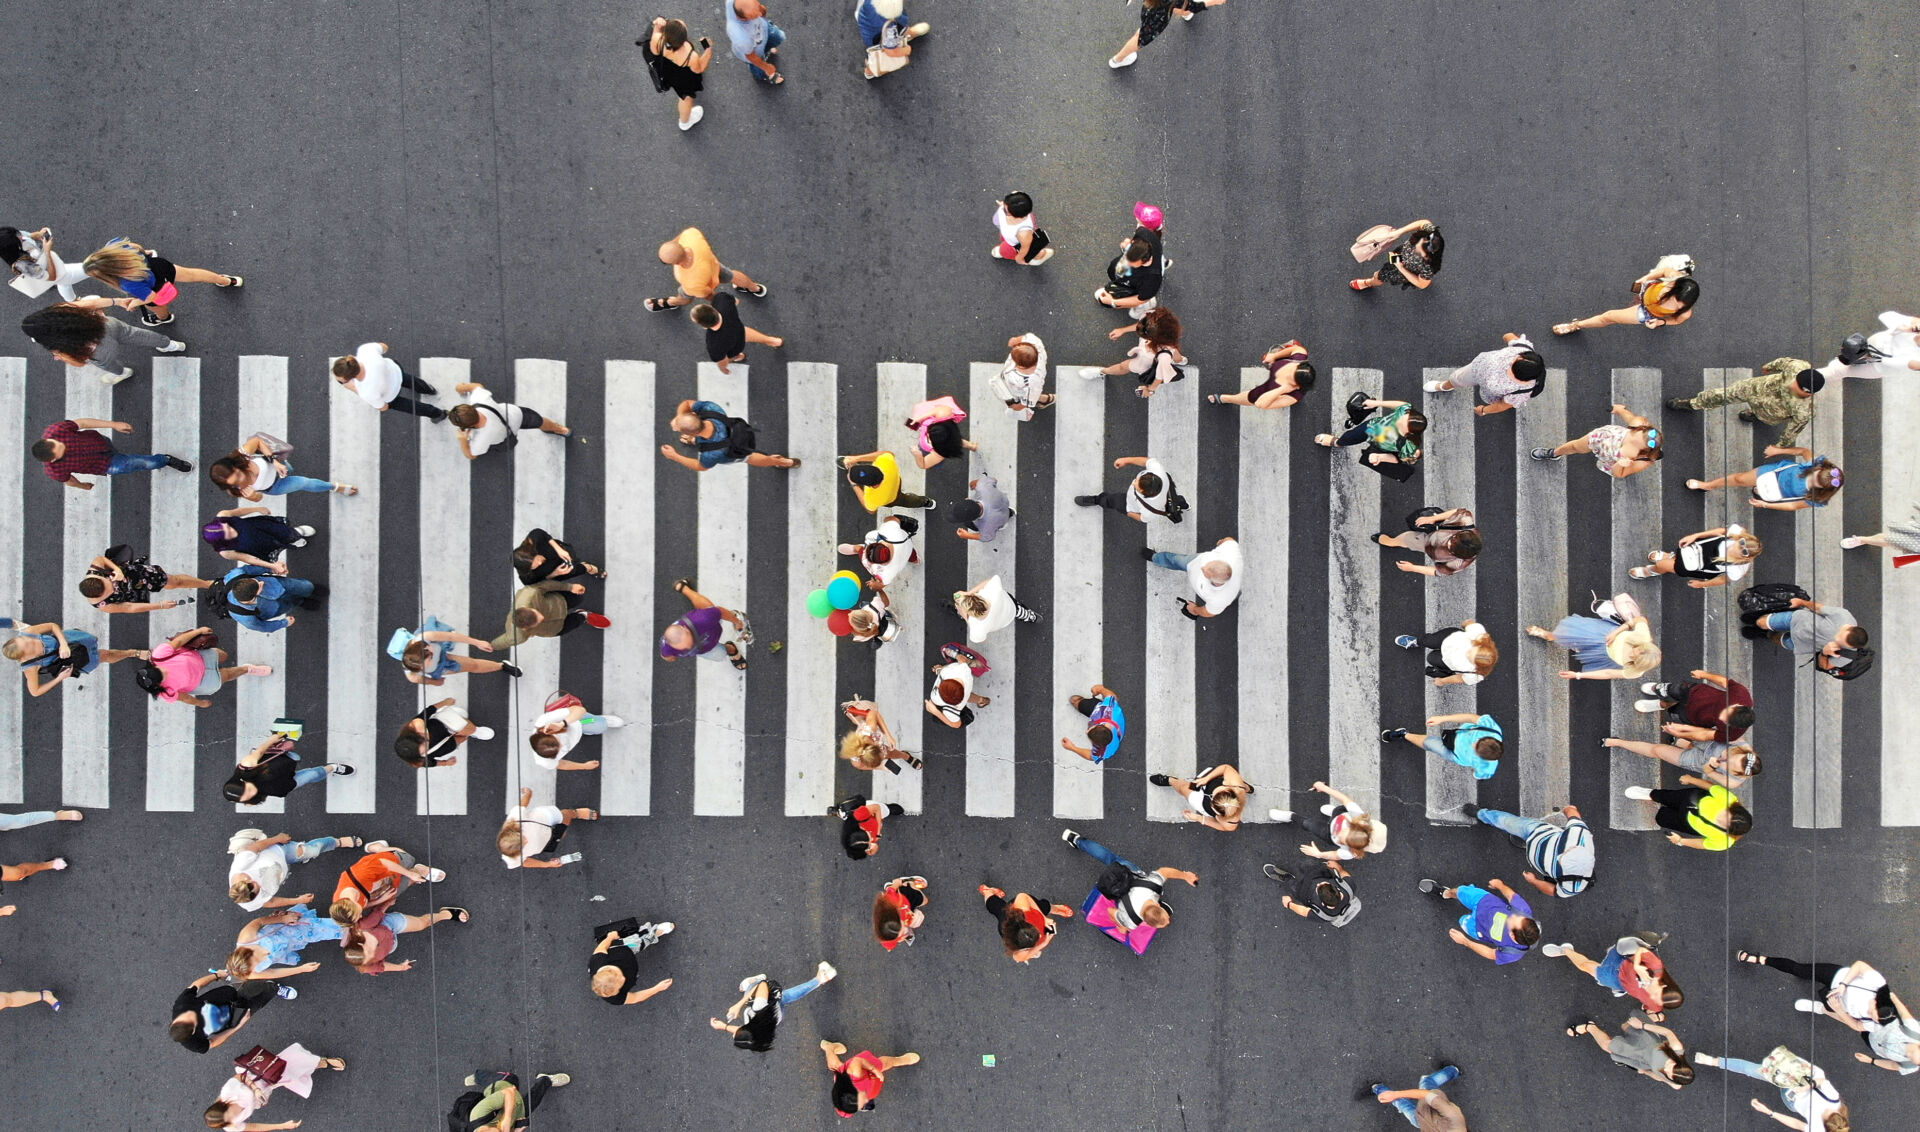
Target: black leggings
[1675, 807]
[1819, 974]
[1436, 664]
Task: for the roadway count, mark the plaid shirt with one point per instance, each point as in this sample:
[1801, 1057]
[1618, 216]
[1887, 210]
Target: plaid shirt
[88, 453]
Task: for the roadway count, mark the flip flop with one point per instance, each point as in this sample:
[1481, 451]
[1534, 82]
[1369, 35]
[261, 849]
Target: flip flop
[336, 1064]
[657, 305]
[460, 914]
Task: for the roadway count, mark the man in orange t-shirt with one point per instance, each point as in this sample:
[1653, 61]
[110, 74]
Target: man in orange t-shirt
[699, 272]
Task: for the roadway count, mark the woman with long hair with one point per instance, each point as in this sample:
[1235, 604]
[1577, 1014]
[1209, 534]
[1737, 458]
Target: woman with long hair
[80, 335]
[140, 273]
[29, 255]
[1392, 435]
[1155, 359]
[898, 909]
[1647, 1048]
[1792, 479]
[1216, 797]
[1413, 263]
[871, 744]
[1616, 645]
[1705, 558]
[1666, 297]
[1457, 654]
[254, 471]
[45, 647]
[1289, 377]
[1026, 923]
[531, 830]
[269, 947]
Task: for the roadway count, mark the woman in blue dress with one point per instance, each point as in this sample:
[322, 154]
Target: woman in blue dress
[269, 947]
[1792, 479]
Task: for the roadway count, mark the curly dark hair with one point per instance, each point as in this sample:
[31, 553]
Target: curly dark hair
[65, 328]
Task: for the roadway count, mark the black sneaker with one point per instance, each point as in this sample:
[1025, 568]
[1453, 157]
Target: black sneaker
[1086, 500]
[1431, 887]
[1276, 872]
[760, 294]
[1470, 811]
[425, 389]
[179, 465]
[149, 319]
[1680, 405]
[1393, 734]
[1543, 454]
[1147, 553]
[1159, 780]
[1748, 416]
[510, 669]
[341, 769]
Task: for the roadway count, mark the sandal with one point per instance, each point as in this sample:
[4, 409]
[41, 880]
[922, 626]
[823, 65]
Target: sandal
[1359, 284]
[791, 462]
[657, 305]
[350, 842]
[590, 815]
[47, 997]
[734, 655]
[1579, 1028]
[1324, 440]
[458, 913]
[337, 1064]
[1566, 327]
[1745, 956]
[346, 489]
[682, 585]
[1640, 572]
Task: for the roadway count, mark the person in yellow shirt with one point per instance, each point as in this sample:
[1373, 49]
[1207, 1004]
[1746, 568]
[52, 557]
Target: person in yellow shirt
[699, 272]
[875, 479]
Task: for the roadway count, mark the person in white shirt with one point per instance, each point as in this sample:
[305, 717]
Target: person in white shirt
[378, 380]
[1022, 380]
[531, 830]
[485, 423]
[558, 731]
[1149, 495]
[35, 267]
[1215, 576]
[987, 607]
[1458, 654]
[1898, 347]
[887, 550]
[260, 865]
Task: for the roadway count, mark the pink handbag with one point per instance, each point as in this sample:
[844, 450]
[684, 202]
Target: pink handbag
[1373, 241]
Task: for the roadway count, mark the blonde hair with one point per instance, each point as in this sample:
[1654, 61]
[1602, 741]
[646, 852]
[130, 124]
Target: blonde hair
[1748, 544]
[863, 620]
[240, 963]
[1230, 802]
[1156, 914]
[862, 751]
[120, 259]
[971, 605]
[13, 648]
[242, 889]
[1645, 659]
[511, 841]
[607, 979]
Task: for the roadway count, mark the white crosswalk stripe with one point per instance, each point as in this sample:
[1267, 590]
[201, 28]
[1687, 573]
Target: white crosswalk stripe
[1161, 712]
[990, 741]
[1899, 599]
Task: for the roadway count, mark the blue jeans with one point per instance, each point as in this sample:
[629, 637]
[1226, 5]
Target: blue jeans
[775, 37]
[121, 463]
[288, 484]
[1779, 623]
[308, 850]
[1438, 1079]
[307, 776]
[1744, 1068]
[1104, 855]
[794, 994]
[1168, 560]
[22, 821]
[293, 591]
[1513, 825]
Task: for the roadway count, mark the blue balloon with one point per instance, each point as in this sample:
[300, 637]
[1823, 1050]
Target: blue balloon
[844, 593]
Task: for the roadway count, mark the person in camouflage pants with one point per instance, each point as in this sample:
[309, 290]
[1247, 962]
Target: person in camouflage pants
[1781, 393]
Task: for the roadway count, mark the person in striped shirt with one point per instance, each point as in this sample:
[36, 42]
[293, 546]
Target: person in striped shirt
[1559, 847]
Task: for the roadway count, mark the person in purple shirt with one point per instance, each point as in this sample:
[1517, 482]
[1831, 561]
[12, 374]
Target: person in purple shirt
[1499, 923]
[704, 628]
[981, 515]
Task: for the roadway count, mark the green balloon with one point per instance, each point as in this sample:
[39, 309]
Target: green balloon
[818, 605]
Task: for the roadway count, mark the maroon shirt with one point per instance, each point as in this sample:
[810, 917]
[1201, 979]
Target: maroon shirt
[88, 452]
[1705, 702]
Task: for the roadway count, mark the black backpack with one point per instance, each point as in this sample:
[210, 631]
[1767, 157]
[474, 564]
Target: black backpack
[1771, 597]
[1856, 349]
[1859, 663]
[462, 1105]
[214, 600]
[740, 440]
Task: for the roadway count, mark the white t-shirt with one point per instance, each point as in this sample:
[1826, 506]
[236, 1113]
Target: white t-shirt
[379, 380]
[493, 430]
[537, 826]
[268, 868]
[1011, 228]
[1150, 507]
[1026, 385]
[1456, 651]
[959, 670]
[999, 613]
[1217, 598]
[569, 738]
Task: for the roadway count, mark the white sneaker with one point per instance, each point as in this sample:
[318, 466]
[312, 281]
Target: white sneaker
[825, 972]
[1638, 793]
[287, 993]
[1091, 373]
[1128, 61]
[1851, 542]
[1434, 386]
[614, 721]
[483, 733]
[1327, 809]
[1649, 706]
[1649, 689]
[1555, 950]
[693, 119]
[663, 928]
[558, 1080]
[436, 875]
[1808, 1006]
[115, 378]
[1280, 815]
[750, 982]
[173, 346]
[305, 532]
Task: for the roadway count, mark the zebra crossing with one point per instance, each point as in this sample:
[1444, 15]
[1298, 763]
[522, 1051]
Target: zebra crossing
[734, 557]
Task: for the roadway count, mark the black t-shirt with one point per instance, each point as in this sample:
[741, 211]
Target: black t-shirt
[191, 1000]
[1143, 282]
[731, 339]
[440, 742]
[622, 957]
[274, 775]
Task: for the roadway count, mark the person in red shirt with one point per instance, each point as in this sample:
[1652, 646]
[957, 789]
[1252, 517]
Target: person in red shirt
[1026, 922]
[73, 448]
[1709, 706]
[860, 822]
[857, 1081]
[900, 908]
[367, 946]
[1630, 969]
